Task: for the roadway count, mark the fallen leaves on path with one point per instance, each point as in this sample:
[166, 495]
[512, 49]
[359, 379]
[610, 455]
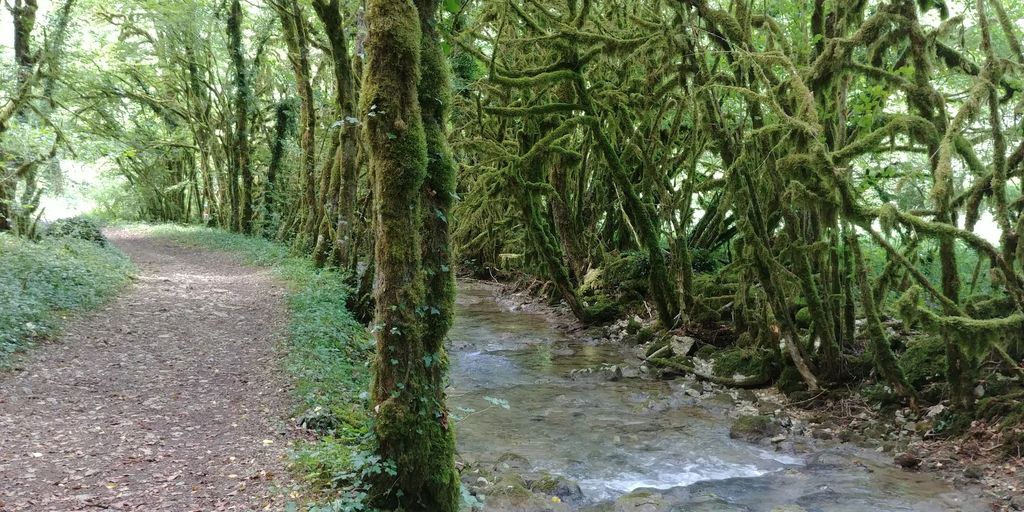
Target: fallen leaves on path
[170, 398]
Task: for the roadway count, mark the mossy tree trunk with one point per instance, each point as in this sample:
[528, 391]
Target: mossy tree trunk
[663, 292]
[294, 28]
[283, 119]
[411, 420]
[342, 182]
[243, 100]
[23, 14]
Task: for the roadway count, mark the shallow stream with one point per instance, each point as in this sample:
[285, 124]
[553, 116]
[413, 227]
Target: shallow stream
[615, 437]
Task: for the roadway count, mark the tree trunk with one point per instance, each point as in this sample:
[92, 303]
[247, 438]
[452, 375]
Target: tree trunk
[282, 120]
[438, 196]
[341, 200]
[411, 424]
[23, 14]
[243, 99]
[298, 53]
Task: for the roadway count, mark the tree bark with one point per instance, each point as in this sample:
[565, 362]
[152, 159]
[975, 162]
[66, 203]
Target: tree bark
[411, 422]
[298, 53]
[343, 183]
[243, 100]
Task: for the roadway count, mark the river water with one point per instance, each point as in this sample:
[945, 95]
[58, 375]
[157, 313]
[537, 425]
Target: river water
[614, 437]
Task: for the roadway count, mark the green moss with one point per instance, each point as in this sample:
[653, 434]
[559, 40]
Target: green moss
[790, 381]
[628, 273]
[603, 308]
[753, 428]
[924, 360]
[745, 361]
[803, 317]
[657, 344]
[510, 485]
[644, 335]
[953, 422]
[633, 326]
[1003, 408]
[981, 306]
[706, 352]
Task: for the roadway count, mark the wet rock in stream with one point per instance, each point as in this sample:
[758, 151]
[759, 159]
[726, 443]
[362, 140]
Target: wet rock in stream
[754, 429]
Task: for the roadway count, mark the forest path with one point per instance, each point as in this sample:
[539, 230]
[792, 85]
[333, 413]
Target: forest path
[169, 398]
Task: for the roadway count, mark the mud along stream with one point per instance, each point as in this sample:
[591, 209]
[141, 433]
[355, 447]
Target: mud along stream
[637, 444]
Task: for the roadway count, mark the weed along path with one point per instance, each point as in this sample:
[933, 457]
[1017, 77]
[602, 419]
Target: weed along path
[170, 398]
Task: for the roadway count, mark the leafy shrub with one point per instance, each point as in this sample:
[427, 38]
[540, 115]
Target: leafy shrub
[42, 281]
[77, 227]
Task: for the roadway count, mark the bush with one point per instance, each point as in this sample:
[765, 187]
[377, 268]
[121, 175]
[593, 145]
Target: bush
[43, 281]
[77, 227]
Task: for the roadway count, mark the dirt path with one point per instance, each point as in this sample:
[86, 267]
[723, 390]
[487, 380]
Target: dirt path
[170, 398]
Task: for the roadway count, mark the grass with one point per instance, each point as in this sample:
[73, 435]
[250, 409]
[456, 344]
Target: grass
[328, 358]
[42, 282]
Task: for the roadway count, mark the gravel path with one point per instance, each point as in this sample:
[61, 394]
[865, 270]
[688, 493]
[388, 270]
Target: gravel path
[170, 398]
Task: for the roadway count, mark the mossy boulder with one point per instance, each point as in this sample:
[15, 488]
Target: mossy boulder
[747, 362]
[556, 486]
[602, 307]
[790, 381]
[754, 428]
[924, 361]
[706, 352]
[641, 501]
[510, 485]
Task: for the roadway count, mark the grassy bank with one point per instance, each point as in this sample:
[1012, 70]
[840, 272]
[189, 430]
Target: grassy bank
[328, 358]
[42, 282]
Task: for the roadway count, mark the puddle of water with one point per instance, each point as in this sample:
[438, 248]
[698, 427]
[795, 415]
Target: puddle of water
[615, 437]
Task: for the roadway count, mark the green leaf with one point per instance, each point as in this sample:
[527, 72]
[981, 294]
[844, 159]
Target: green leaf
[452, 6]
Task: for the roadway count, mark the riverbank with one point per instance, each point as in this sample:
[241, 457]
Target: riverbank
[650, 440]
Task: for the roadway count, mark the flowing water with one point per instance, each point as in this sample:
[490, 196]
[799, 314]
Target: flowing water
[614, 437]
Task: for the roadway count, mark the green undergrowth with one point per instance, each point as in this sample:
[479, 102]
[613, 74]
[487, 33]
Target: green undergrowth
[42, 282]
[328, 357]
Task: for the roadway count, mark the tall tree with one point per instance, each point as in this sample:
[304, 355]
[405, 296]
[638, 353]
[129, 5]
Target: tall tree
[293, 23]
[23, 14]
[340, 194]
[411, 423]
[241, 213]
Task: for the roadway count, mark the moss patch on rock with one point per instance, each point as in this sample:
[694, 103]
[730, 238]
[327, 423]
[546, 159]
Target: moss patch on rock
[748, 362]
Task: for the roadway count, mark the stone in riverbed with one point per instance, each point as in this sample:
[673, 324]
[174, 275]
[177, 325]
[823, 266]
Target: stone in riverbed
[681, 345]
[555, 486]
[641, 501]
[907, 460]
[754, 428]
[511, 462]
[974, 471]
